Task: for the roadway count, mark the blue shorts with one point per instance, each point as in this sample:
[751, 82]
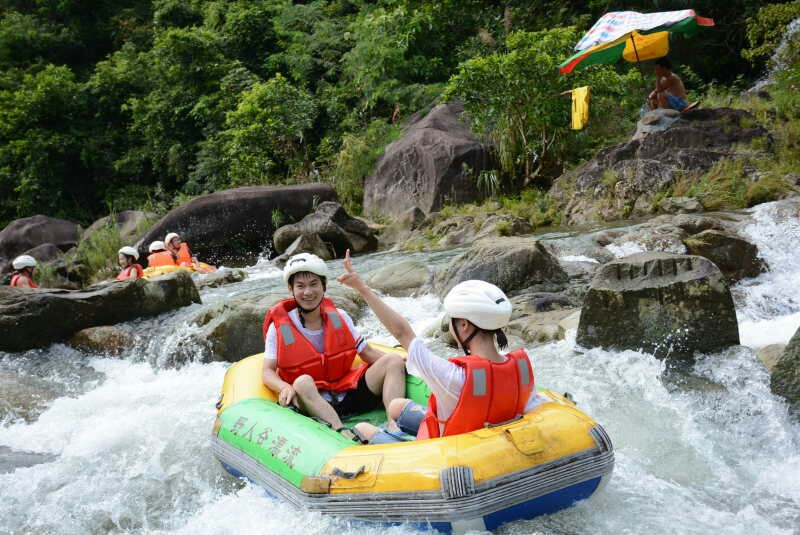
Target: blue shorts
[676, 103]
[410, 419]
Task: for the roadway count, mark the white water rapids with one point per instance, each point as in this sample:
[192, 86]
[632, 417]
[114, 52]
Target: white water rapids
[128, 438]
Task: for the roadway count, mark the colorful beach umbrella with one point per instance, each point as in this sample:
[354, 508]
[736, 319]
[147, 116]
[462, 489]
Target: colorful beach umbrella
[632, 36]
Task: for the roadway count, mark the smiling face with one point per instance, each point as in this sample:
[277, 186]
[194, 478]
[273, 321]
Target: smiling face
[308, 289]
[175, 243]
[123, 260]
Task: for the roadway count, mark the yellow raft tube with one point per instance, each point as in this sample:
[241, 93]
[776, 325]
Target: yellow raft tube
[544, 461]
[163, 270]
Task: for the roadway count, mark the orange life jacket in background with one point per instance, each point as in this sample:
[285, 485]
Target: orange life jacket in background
[125, 273]
[184, 256]
[492, 394]
[17, 276]
[333, 368]
[161, 258]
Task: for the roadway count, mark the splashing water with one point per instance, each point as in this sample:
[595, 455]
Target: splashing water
[130, 436]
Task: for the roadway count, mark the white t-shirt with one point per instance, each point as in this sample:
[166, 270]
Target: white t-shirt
[445, 379]
[315, 337]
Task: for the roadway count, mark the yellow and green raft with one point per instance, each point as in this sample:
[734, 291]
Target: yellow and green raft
[542, 462]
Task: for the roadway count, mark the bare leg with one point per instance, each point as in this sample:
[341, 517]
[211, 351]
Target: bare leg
[395, 408]
[313, 403]
[662, 101]
[387, 377]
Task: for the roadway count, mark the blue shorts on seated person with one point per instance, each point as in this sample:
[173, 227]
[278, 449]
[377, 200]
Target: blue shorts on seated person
[410, 419]
[676, 103]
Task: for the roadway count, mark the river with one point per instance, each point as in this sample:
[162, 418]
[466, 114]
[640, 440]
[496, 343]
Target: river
[126, 440]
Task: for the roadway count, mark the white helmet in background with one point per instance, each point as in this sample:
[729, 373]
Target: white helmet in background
[304, 262]
[23, 261]
[171, 236]
[130, 251]
[483, 304]
[156, 246]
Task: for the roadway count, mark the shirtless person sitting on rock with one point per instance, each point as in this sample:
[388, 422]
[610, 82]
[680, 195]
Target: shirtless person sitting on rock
[669, 91]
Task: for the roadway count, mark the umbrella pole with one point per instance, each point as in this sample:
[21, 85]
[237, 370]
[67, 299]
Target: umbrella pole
[639, 64]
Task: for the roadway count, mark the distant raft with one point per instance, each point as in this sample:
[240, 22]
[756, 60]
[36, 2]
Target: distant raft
[163, 270]
[547, 460]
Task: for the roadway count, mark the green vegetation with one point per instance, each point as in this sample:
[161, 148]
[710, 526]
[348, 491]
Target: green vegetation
[97, 254]
[145, 103]
[533, 205]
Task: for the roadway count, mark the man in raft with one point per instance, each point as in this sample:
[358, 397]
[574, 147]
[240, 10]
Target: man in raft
[159, 256]
[482, 387]
[310, 346]
[23, 272]
[127, 257]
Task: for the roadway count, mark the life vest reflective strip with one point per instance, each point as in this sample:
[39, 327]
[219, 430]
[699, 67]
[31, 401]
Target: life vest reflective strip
[125, 273]
[493, 393]
[184, 256]
[161, 258]
[17, 276]
[333, 368]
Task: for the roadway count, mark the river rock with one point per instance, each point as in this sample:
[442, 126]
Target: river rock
[666, 304]
[680, 205]
[630, 177]
[305, 243]
[770, 355]
[509, 263]
[540, 327]
[36, 318]
[334, 227]
[785, 380]
[107, 339]
[131, 223]
[436, 162]
[737, 258]
[232, 329]
[219, 278]
[401, 279]
[234, 226]
[23, 235]
[411, 218]
[10, 459]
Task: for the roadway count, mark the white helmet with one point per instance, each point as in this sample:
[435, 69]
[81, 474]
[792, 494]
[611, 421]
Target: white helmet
[156, 246]
[23, 261]
[170, 237]
[304, 262]
[479, 302]
[130, 251]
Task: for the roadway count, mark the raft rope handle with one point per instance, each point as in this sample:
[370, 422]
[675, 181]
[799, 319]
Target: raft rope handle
[348, 475]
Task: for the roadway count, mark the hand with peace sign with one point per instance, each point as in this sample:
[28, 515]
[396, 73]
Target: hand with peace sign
[350, 277]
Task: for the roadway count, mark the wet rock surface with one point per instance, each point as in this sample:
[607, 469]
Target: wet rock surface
[510, 263]
[737, 258]
[233, 227]
[107, 340]
[36, 318]
[401, 279]
[434, 163]
[666, 304]
[785, 380]
[331, 225]
[220, 277]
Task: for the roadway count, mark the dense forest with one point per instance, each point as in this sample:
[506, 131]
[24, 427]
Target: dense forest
[110, 105]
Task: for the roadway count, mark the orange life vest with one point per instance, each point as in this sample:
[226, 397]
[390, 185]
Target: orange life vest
[125, 273]
[333, 368]
[493, 393]
[17, 276]
[184, 256]
[161, 258]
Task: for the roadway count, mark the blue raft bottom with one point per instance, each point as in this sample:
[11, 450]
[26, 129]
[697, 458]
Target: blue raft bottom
[543, 505]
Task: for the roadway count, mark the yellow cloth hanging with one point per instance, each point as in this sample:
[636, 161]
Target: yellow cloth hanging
[580, 107]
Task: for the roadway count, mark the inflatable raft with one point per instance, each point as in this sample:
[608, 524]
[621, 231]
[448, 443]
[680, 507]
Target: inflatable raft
[163, 270]
[545, 461]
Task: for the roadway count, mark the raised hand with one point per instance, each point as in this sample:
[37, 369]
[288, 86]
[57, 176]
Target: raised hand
[350, 277]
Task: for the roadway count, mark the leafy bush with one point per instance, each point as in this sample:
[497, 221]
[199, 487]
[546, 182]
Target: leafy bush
[98, 253]
[766, 29]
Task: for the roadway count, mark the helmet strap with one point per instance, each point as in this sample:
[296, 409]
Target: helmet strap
[463, 343]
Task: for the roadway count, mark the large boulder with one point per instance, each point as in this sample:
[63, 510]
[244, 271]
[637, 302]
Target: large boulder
[333, 226]
[785, 380]
[631, 177]
[232, 329]
[305, 243]
[436, 162]
[401, 279]
[24, 235]
[509, 263]
[235, 226]
[737, 258]
[36, 318]
[106, 339]
[666, 304]
[131, 223]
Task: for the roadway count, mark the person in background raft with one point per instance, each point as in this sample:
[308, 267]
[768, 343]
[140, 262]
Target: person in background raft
[310, 346]
[159, 256]
[482, 387]
[180, 250]
[669, 91]
[23, 272]
[127, 261]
